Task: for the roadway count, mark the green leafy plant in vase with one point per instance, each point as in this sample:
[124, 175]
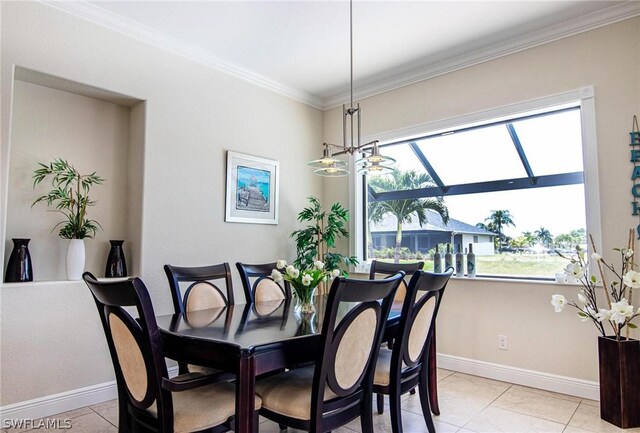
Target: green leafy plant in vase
[70, 197]
[317, 241]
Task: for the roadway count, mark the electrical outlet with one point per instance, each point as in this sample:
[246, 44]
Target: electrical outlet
[502, 342]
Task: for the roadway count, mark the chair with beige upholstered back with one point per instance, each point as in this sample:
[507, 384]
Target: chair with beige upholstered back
[401, 369]
[147, 398]
[202, 291]
[259, 286]
[384, 269]
[337, 389]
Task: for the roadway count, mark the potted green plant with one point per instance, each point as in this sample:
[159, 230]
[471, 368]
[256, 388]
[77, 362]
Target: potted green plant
[70, 197]
[316, 241]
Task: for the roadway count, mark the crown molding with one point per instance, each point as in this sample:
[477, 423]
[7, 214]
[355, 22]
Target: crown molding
[594, 20]
[90, 12]
[140, 32]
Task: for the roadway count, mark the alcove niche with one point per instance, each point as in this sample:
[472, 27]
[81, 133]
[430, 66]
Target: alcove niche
[93, 129]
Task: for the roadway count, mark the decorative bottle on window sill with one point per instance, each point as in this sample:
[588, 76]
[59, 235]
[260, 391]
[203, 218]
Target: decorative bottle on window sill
[459, 262]
[437, 261]
[471, 263]
[116, 264]
[448, 258]
[19, 268]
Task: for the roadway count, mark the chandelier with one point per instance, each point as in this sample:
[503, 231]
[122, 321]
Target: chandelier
[372, 161]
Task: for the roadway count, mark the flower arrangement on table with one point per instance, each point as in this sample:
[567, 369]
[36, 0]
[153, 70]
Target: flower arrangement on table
[304, 281]
[618, 289]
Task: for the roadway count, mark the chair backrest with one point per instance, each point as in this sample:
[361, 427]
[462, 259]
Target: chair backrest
[350, 344]
[384, 269]
[134, 343]
[259, 286]
[201, 292]
[418, 316]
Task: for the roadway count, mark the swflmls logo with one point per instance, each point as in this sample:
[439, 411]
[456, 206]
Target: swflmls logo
[45, 423]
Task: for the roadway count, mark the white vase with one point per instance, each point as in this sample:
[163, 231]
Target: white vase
[75, 259]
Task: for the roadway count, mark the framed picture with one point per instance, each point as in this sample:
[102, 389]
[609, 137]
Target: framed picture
[252, 189]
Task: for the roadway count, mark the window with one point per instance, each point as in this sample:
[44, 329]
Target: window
[513, 186]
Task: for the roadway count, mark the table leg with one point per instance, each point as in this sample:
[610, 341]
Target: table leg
[433, 375]
[245, 394]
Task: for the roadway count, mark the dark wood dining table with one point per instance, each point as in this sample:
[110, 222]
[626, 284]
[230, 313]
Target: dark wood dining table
[248, 340]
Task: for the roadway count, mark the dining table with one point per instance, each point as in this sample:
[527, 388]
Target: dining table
[249, 340]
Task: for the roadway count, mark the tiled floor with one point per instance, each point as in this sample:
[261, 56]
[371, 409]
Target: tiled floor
[467, 404]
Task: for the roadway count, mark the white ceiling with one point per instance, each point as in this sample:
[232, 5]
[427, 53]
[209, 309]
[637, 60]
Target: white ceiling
[301, 48]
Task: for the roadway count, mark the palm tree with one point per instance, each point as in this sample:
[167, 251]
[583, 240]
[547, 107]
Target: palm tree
[404, 210]
[544, 236]
[499, 219]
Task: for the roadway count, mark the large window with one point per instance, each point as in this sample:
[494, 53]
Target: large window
[511, 188]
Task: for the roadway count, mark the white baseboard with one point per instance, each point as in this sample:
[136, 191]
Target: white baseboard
[534, 379]
[77, 398]
[63, 402]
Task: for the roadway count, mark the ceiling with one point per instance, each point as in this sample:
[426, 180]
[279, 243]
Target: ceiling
[301, 48]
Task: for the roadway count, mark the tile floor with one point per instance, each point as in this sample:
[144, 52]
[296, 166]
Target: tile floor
[467, 404]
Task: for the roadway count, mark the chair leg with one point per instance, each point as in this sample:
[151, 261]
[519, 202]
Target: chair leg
[432, 375]
[256, 422]
[423, 390]
[394, 409]
[380, 403]
[366, 417]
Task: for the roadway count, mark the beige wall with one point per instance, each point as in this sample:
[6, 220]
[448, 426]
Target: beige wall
[51, 339]
[475, 312]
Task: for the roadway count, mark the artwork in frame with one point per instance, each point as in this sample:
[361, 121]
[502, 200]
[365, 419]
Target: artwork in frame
[252, 189]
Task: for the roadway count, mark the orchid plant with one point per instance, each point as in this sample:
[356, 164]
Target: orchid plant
[304, 281]
[618, 293]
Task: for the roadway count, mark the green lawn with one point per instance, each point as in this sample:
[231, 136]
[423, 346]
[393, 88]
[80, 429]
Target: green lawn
[544, 265]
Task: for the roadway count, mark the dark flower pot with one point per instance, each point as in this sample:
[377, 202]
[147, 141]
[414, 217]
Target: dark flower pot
[116, 264]
[619, 381]
[19, 268]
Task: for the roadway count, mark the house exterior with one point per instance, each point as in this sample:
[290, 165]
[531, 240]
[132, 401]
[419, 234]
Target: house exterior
[435, 231]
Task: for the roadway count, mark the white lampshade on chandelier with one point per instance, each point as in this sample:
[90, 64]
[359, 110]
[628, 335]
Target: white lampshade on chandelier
[372, 162]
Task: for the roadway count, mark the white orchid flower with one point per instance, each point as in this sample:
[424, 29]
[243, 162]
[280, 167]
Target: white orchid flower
[628, 253]
[574, 270]
[335, 273]
[292, 271]
[603, 314]
[306, 279]
[621, 311]
[582, 298]
[276, 275]
[318, 265]
[596, 257]
[632, 279]
[281, 264]
[558, 302]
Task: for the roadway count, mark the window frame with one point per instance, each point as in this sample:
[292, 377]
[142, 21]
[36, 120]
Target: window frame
[584, 97]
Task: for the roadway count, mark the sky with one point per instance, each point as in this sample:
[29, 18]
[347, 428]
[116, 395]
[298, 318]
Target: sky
[552, 144]
[558, 209]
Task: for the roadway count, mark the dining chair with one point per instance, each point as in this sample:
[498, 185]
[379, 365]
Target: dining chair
[201, 293]
[147, 398]
[384, 269]
[338, 388]
[406, 365]
[259, 286]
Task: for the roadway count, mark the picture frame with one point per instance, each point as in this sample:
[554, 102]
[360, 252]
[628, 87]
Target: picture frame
[252, 186]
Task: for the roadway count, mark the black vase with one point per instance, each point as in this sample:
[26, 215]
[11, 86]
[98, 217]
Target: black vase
[19, 267]
[116, 264]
